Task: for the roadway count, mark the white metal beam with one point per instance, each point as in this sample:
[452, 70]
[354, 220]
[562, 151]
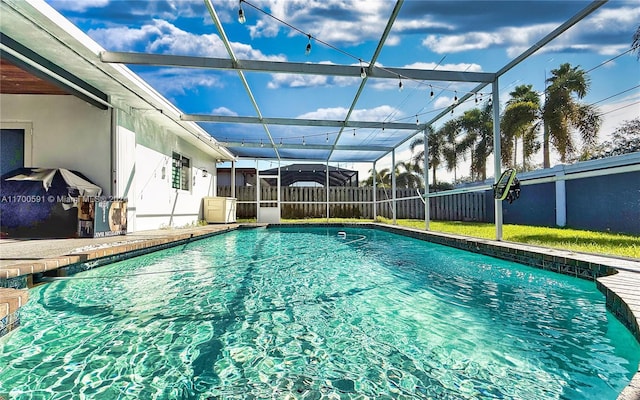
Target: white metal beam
[301, 146]
[497, 164]
[272, 67]
[296, 122]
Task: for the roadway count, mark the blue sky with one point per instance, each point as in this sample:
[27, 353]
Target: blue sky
[477, 36]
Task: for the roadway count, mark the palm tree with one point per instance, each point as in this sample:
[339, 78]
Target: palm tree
[478, 125]
[450, 148]
[436, 146]
[409, 175]
[635, 44]
[562, 113]
[520, 120]
[383, 178]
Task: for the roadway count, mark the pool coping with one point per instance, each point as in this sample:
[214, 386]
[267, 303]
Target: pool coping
[617, 278]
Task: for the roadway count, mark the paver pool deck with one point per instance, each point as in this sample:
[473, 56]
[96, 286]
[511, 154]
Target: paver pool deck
[617, 278]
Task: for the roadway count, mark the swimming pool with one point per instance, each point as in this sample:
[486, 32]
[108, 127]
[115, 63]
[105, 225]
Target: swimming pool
[306, 313]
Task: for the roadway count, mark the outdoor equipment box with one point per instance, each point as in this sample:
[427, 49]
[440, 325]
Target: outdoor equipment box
[219, 209]
[102, 216]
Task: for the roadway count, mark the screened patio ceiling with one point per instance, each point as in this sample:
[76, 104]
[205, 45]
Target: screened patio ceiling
[270, 133]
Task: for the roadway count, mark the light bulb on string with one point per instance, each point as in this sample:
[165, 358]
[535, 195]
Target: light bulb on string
[242, 144]
[280, 142]
[327, 139]
[363, 73]
[303, 142]
[417, 120]
[354, 132]
[431, 90]
[476, 98]
[241, 18]
[307, 51]
[400, 83]
[455, 98]
[261, 144]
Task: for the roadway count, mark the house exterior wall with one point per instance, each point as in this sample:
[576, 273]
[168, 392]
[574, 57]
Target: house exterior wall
[67, 133]
[153, 202]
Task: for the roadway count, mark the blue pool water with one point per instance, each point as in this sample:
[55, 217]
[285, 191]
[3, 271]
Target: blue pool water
[293, 313]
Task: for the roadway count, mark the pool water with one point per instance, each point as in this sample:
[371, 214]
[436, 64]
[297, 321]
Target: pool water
[305, 313]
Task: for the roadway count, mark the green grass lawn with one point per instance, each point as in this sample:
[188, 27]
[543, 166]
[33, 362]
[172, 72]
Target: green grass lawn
[561, 238]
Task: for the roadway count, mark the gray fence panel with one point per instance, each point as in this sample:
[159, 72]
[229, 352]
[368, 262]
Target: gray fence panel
[605, 203]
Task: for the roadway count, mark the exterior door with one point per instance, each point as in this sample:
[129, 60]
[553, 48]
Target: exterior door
[11, 149]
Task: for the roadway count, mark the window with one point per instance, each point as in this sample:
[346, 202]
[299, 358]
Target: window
[180, 172]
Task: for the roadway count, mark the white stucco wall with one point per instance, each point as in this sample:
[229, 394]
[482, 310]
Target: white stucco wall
[67, 133]
[155, 203]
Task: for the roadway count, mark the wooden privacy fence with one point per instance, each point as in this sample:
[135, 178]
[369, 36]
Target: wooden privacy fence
[357, 202]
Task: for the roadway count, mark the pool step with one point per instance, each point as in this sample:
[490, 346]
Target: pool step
[10, 301]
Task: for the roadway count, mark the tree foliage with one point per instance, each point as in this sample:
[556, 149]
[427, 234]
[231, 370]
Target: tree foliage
[625, 139]
[635, 43]
[471, 135]
[562, 113]
[520, 121]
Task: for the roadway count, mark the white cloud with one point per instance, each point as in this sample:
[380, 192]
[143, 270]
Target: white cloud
[80, 6]
[379, 113]
[468, 67]
[583, 37]
[614, 114]
[179, 81]
[459, 43]
[306, 81]
[224, 111]
[163, 37]
[442, 102]
[334, 21]
[421, 24]
[296, 81]
[616, 20]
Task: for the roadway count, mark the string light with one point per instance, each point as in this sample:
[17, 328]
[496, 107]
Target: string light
[303, 142]
[455, 98]
[327, 139]
[354, 132]
[242, 144]
[241, 17]
[307, 51]
[261, 144]
[417, 120]
[280, 141]
[363, 71]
